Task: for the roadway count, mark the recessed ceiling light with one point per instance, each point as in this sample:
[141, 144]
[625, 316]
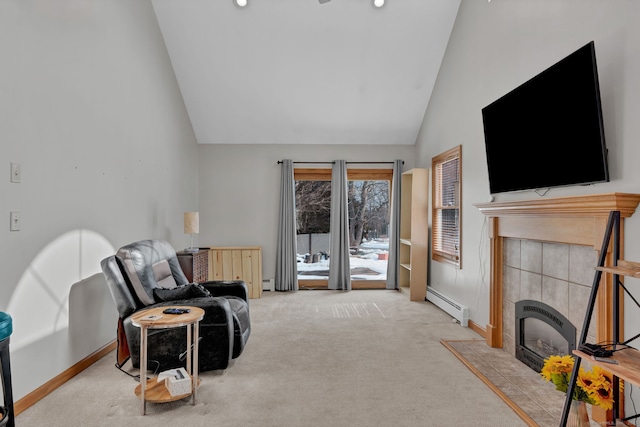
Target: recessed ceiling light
[240, 3]
[378, 3]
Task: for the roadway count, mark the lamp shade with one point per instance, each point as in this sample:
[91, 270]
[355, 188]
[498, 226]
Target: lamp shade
[191, 222]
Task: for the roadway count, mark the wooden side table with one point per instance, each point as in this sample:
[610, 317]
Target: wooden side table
[154, 318]
[195, 265]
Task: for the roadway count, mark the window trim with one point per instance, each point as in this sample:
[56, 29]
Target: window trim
[438, 254]
[324, 174]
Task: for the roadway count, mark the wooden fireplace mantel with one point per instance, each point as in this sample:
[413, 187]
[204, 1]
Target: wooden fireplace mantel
[578, 220]
[574, 206]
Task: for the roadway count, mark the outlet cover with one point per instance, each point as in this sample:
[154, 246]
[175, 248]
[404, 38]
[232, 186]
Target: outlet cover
[16, 172]
[16, 221]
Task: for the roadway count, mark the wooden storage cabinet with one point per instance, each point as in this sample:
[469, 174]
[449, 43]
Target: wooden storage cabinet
[195, 265]
[413, 255]
[237, 263]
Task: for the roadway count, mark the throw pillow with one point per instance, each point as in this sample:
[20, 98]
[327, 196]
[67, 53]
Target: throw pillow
[191, 290]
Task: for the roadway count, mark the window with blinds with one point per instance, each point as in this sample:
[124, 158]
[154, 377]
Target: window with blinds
[445, 227]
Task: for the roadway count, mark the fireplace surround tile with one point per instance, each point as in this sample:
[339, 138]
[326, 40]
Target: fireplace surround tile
[530, 286]
[555, 260]
[582, 261]
[511, 278]
[531, 256]
[555, 293]
[512, 253]
[508, 324]
[509, 346]
[579, 298]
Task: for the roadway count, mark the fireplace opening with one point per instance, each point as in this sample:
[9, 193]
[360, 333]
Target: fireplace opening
[541, 331]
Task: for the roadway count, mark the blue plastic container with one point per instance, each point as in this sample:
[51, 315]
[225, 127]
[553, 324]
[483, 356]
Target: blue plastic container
[7, 418]
[6, 325]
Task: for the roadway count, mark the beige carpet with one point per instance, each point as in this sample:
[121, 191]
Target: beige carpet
[315, 358]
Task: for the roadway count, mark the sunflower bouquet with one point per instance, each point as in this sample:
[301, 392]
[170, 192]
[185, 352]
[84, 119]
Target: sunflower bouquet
[594, 387]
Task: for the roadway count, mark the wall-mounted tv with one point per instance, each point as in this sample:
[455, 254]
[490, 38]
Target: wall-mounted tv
[548, 132]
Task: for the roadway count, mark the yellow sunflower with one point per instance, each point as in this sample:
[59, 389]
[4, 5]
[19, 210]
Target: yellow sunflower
[602, 375]
[557, 369]
[602, 388]
[588, 381]
[557, 365]
[603, 397]
[594, 387]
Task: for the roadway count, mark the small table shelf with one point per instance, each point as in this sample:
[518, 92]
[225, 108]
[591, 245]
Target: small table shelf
[154, 318]
[156, 392]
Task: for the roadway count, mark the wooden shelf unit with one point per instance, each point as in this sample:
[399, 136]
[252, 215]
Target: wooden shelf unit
[413, 257]
[624, 268]
[628, 366]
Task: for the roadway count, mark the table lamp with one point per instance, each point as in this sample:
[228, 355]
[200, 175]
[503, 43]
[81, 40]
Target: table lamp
[191, 226]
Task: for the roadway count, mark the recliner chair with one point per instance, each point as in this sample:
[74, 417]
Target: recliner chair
[147, 274]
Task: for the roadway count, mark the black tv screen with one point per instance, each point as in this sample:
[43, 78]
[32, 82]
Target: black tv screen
[548, 132]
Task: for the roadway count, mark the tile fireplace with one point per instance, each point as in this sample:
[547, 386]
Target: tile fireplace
[559, 227]
[554, 279]
[579, 223]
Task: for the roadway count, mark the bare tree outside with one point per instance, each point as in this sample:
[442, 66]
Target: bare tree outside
[313, 206]
[368, 210]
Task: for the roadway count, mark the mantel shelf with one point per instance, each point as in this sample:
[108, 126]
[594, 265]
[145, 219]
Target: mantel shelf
[592, 205]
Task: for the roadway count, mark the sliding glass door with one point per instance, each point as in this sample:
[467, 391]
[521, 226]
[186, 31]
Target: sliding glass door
[369, 200]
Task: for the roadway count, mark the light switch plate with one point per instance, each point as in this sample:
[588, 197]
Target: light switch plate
[16, 221]
[16, 172]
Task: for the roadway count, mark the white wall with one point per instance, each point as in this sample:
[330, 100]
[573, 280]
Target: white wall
[91, 111]
[240, 189]
[495, 47]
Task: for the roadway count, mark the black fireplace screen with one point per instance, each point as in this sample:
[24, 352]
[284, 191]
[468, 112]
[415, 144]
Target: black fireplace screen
[541, 331]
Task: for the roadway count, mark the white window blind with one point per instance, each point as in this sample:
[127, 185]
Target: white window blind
[446, 207]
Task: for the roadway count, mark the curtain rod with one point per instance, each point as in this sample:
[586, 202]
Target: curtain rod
[349, 163]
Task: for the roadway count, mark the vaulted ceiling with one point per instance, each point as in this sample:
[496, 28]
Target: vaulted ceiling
[305, 72]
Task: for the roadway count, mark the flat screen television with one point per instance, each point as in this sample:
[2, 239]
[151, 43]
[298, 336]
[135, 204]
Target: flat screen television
[548, 132]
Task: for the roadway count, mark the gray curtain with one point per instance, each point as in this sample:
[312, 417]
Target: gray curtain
[394, 227]
[339, 271]
[286, 262]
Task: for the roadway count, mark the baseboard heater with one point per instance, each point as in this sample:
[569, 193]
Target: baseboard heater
[458, 311]
[268, 285]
